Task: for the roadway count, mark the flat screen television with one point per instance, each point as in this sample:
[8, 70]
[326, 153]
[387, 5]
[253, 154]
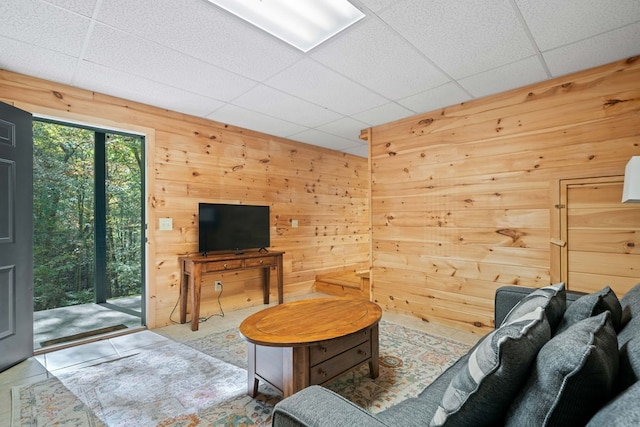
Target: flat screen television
[232, 228]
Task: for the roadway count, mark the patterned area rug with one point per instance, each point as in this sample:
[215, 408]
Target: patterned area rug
[204, 383]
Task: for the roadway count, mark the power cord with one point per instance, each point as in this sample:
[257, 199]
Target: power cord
[221, 314]
[174, 309]
[202, 319]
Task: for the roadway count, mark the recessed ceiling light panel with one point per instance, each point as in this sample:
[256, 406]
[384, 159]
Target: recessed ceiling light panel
[303, 24]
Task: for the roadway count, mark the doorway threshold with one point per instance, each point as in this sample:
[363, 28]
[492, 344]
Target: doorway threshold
[65, 326]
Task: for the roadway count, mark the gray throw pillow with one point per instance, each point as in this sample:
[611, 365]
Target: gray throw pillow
[631, 304]
[480, 393]
[553, 299]
[591, 305]
[623, 411]
[629, 371]
[572, 378]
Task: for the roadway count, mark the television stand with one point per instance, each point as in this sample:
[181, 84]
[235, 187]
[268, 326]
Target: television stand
[195, 267]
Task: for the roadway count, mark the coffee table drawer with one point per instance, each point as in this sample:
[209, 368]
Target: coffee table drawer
[320, 352]
[340, 364]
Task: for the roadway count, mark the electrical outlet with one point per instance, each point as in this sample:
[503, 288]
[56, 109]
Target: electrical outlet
[218, 285]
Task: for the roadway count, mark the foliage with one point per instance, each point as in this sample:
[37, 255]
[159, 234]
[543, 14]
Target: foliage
[64, 261]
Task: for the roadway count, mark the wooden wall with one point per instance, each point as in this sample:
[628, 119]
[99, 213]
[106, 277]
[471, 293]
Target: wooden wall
[463, 199]
[192, 160]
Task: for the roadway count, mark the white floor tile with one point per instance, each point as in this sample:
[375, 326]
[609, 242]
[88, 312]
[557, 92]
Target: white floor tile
[83, 353]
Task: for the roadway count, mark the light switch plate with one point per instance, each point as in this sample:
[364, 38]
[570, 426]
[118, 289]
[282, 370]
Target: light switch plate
[166, 224]
[294, 223]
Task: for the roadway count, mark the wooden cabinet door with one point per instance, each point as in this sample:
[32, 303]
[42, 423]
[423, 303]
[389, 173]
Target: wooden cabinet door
[601, 235]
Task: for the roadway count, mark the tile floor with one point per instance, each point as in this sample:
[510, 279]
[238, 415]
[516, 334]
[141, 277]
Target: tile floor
[44, 366]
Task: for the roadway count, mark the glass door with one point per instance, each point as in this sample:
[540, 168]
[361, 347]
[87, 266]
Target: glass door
[88, 232]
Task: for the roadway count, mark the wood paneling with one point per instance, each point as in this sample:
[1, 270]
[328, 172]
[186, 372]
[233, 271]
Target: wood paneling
[192, 160]
[462, 199]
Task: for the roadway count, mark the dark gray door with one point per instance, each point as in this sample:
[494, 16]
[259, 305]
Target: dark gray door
[16, 236]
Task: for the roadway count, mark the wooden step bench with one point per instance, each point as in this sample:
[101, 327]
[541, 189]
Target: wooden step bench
[345, 284]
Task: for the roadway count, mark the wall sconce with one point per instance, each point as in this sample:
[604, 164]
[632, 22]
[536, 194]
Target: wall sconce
[631, 189]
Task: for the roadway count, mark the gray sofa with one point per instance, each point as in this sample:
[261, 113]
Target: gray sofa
[556, 358]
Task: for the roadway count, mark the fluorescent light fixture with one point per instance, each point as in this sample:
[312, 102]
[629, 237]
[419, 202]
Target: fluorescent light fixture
[303, 24]
[631, 189]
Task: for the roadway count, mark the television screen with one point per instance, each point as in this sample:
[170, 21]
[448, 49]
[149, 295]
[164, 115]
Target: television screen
[224, 227]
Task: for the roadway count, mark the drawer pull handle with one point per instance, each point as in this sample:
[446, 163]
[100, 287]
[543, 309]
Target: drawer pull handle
[261, 261]
[323, 349]
[322, 373]
[360, 351]
[225, 265]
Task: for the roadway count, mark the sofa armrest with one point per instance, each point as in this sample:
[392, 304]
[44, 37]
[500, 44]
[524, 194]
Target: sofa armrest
[508, 296]
[317, 406]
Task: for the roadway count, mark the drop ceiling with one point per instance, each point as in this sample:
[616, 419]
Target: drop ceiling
[405, 57]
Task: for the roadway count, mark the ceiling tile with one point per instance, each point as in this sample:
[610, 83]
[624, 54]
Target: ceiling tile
[43, 25]
[376, 57]
[314, 82]
[116, 83]
[383, 114]
[504, 78]
[278, 104]
[83, 7]
[241, 117]
[375, 5]
[345, 127]
[200, 29]
[462, 38]
[433, 99]
[556, 23]
[127, 53]
[608, 47]
[36, 61]
[322, 139]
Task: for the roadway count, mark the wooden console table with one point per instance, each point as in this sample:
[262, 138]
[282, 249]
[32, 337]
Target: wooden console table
[194, 268]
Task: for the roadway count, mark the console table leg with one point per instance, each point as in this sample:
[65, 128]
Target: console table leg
[184, 291]
[266, 283]
[195, 285]
[280, 273]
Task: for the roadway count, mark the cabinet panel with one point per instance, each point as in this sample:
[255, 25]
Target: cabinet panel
[339, 364]
[321, 352]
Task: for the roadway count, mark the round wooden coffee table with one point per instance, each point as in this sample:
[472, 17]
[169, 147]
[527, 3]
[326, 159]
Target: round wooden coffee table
[300, 343]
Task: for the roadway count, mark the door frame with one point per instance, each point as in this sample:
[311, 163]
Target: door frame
[560, 270]
[92, 122]
[99, 188]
